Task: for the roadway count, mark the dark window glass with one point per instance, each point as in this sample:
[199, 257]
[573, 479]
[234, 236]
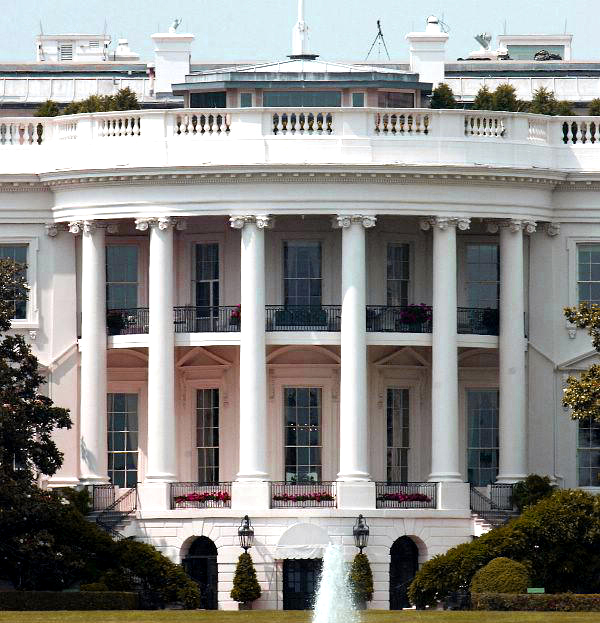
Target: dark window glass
[122, 439]
[245, 100]
[302, 278]
[483, 275]
[358, 100]
[398, 440]
[121, 276]
[483, 436]
[217, 99]
[302, 99]
[17, 253]
[588, 273]
[393, 99]
[207, 435]
[398, 274]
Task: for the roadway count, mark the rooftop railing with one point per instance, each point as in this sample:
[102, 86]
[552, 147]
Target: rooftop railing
[192, 137]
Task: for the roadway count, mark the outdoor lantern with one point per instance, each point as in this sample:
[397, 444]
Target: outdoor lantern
[361, 533]
[246, 534]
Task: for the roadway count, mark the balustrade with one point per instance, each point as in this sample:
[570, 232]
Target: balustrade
[302, 122]
[22, 131]
[303, 494]
[202, 123]
[482, 124]
[121, 125]
[581, 130]
[406, 494]
[402, 123]
[200, 495]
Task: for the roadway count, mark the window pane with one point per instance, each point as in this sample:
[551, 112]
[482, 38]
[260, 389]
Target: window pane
[302, 273]
[588, 273]
[18, 254]
[483, 275]
[303, 99]
[482, 436]
[398, 276]
[207, 280]
[122, 439]
[397, 416]
[121, 276]
[207, 435]
[588, 453]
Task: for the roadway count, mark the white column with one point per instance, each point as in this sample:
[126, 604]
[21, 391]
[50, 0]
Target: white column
[513, 415]
[354, 434]
[254, 464]
[445, 446]
[92, 415]
[161, 462]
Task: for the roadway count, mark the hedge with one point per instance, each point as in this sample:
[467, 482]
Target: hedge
[501, 575]
[51, 600]
[559, 602]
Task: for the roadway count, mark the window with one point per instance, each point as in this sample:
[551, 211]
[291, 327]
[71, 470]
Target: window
[394, 99]
[398, 274]
[358, 100]
[588, 454]
[483, 436]
[398, 442]
[207, 435]
[211, 99]
[121, 276]
[302, 99]
[123, 439]
[66, 51]
[207, 283]
[245, 100]
[483, 275]
[17, 253]
[302, 279]
[302, 421]
[588, 275]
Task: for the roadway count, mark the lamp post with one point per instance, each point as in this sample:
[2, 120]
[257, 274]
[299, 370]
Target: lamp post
[361, 533]
[246, 534]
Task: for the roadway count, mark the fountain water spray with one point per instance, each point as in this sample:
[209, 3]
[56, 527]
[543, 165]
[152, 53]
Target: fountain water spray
[334, 602]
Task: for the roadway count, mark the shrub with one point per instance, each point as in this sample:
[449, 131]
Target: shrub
[501, 575]
[531, 490]
[505, 98]
[94, 587]
[443, 97]
[49, 600]
[48, 109]
[545, 103]
[361, 578]
[558, 539]
[124, 99]
[245, 585]
[484, 100]
[565, 602]
[594, 107]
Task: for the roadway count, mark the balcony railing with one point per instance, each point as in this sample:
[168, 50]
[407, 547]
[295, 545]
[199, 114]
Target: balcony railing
[199, 495]
[303, 495]
[387, 319]
[406, 495]
[303, 317]
[224, 319]
[127, 321]
[475, 321]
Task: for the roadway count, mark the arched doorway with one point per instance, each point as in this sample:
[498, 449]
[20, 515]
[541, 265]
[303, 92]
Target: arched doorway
[201, 565]
[404, 562]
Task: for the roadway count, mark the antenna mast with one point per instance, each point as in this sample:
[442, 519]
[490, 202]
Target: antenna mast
[379, 39]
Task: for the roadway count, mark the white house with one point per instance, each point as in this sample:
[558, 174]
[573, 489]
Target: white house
[400, 349]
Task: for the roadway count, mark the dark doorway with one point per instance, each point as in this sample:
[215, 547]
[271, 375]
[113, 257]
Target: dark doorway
[201, 565]
[300, 582]
[403, 567]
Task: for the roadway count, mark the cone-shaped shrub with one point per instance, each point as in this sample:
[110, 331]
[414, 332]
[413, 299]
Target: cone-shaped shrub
[501, 575]
[245, 585]
[361, 578]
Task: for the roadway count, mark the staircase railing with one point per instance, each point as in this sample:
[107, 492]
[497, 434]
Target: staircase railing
[117, 512]
[495, 514]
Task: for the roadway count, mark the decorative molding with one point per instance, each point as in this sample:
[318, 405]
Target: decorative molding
[51, 230]
[262, 221]
[444, 222]
[33, 335]
[161, 222]
[527, 226]
[552, 229]
[112, 228]
[342, 221]
[572, 331]
[82, 227]
[492, 227]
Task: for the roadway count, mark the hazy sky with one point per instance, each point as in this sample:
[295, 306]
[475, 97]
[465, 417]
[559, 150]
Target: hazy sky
[261, 29]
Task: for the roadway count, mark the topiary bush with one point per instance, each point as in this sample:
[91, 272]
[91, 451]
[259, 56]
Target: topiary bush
[501, 575]
[245, 585]
[443, 97]
[531, 490]
[361, 579]
[484, 99]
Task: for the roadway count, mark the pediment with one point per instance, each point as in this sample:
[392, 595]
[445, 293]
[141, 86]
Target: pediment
[405, 356]
[581, 362]
[126, 358]
[302, 355]
[201, 356]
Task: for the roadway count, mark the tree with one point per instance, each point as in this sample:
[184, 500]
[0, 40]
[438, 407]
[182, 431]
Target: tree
[531, 490]
[443, 97]
[545, 103]
[361, 579]
[582, 394]
[245, 585]
[48, 109]
[484, 100]
[27, 417]
[505, 98]
[124, 99]
[594, 107]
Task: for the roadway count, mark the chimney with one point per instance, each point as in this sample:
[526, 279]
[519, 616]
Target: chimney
[427, 52]
[172, 54]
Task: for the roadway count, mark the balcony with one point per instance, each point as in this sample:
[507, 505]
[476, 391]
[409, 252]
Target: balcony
[303, 495]
[258, 136]
[199, 495]
[226, 319]
[406, 495]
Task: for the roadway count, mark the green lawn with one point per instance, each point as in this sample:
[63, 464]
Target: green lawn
[378, 616]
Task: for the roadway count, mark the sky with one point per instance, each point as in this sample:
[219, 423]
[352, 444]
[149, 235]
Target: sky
[261, 29]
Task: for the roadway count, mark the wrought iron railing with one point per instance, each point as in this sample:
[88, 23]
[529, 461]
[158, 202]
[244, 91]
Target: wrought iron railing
[213, 319]
[127, 321]
[303, 495]
[200, 495]
[303, 317]
[390, 319]
[102, 496]
[118, 512]
[487, 508]
[501, 496]
[478, 321]
[406, 495]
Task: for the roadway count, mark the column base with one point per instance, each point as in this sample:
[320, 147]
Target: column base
[453, 496]
[154, 496]
[510, 479]
[445, 477]
[161, 478]
[355, 495]
[250, 495]
[93, 480]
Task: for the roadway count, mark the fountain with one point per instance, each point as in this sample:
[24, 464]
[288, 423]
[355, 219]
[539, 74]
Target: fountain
[334, 603]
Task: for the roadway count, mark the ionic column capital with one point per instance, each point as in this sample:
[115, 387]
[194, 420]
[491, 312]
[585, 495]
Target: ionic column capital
[82, 227]
[445, 222]
[160, 222]
[514, 225]
[262, 221]
[343, 221]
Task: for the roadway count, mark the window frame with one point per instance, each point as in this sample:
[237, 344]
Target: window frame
[353, 93]
[298, 241]
[140, 280]
[219, 427]
[572, 244]
[577, 467]
[138, 451]
[31, 320]
[473, 387]
[409, 287]
[467, 281]
[388, 389]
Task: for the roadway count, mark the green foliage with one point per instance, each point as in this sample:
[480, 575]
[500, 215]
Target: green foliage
[443, 97]
[484, 100]
[582, 394]
[86, 600]
[558, 539]
[501, 575]
[94, 587]
[48, 109]
[245, 585]
[594, 107]
[530, 491]
[126, 99]
[565, 602]
[80, 499]
[564, 109]
[505, 98]
[545, 103]
[27, 417]
[361, 578]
